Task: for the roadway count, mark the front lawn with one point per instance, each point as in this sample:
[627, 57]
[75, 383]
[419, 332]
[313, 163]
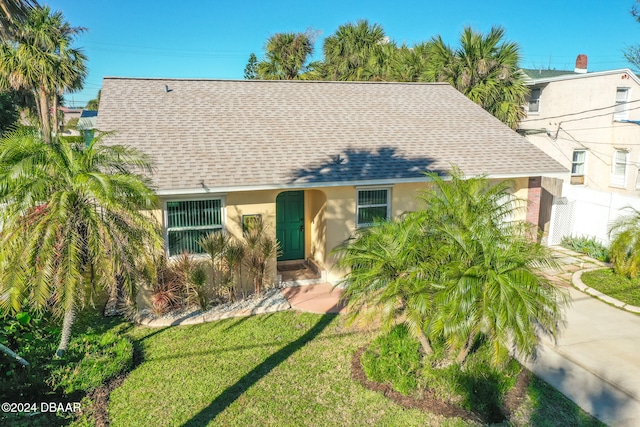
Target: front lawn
[614, 285]
[282, 369]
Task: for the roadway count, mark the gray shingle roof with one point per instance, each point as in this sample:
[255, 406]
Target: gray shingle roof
[276, 133]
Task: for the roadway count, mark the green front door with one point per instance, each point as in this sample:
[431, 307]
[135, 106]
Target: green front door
[290, 224]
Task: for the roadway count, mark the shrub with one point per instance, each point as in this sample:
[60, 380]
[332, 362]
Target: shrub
[586, 245]
[393, 358]
[625, 247]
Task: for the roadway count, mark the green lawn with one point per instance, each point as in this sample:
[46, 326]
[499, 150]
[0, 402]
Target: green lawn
[618, 287]
[282, 369]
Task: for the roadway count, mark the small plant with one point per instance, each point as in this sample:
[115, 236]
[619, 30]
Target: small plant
[260, 249]
[196, 289]
[393, 358]
[167, 285]
[625, 247]
[233, 257]
[586, 245]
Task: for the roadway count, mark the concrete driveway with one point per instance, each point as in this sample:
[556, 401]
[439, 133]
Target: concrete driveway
[596, 361]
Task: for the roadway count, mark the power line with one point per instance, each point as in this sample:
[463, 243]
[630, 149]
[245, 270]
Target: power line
[583, 112]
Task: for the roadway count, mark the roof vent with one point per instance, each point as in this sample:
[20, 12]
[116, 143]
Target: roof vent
[166, 89]
[581, 64]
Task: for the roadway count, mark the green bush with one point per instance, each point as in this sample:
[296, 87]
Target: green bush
[586, 245]
[394, 359]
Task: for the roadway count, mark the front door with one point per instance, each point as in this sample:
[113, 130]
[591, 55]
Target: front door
[290, 224]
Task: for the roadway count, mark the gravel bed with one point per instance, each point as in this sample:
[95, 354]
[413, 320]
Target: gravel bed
[270, 299]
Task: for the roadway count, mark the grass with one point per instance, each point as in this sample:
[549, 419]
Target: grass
[281, 369]
[616, 286]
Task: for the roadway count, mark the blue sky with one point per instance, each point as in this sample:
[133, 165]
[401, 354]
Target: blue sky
[213, 39]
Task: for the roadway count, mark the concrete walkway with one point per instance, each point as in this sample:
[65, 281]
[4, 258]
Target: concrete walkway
[322, 298]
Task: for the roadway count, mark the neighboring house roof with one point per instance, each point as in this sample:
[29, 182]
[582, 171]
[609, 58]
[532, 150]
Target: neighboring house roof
[226, 134]
[87, 120]
[534, 77]
[544, 74]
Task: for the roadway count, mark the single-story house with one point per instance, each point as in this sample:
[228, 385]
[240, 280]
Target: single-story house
[315, 159]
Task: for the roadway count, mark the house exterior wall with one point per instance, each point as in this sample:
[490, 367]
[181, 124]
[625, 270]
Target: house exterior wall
[578, 114]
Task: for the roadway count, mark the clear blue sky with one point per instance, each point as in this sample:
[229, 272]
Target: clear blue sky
[213, 38]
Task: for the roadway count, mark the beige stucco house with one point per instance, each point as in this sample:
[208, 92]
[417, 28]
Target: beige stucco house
[588, 122]
[316, 160]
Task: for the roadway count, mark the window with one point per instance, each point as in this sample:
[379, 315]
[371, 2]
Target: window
[578, 166]
[189, 220]
[534, 100]
[622, 97]
[619, 168]
[372, 204]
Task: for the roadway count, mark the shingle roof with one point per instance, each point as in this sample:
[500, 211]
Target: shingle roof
[276, 133]
[543, 74]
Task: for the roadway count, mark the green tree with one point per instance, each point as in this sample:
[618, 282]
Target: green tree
[74, 218]
[457, 270]
[94, 104]
[353, 51]
[251, 69]
[385, 279]
[489, 270]
[625, 245]
[287, 56]
[485, 68]
[42, 60]
[12, 13]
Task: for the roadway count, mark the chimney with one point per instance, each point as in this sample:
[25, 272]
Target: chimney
[581, 64]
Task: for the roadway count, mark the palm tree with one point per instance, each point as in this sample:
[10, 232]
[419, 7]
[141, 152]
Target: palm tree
[74, 217]
[485, 69]
[625, 246]
[352, 52]
[42, 60]
[385, 280]
[287, 56]
[489, 270]
[13, 12]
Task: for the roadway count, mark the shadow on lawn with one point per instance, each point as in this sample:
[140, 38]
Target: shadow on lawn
[232, 393]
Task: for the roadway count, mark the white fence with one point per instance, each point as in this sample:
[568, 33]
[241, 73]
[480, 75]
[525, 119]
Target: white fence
[582, 211]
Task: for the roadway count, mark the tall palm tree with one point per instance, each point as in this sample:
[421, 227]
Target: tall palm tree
[41, 59]
[489, 270]
[74, 218]
[485, 68]
[352, 52]
[287, 56]
[12, 13]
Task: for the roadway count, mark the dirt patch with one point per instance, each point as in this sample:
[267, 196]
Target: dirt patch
[429, 403]
[98, 411]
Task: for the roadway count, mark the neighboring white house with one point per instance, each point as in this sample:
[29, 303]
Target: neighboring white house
[590, 123]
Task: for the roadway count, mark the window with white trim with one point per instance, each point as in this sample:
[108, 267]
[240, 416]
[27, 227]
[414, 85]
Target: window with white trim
[578, 167]
[372, 204]
[188, 221]
[534, 100]
[619, 168]
[621, 111]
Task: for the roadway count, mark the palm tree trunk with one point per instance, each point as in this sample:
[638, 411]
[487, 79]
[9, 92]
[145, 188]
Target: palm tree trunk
[67, 323]
[55, 125]
[45, 122]
[462, 356]
[424, 342]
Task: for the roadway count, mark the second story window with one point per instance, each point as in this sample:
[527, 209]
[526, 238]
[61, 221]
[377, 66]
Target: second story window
[578, 166]
[534, 100]
[619, 168]
[621, 110]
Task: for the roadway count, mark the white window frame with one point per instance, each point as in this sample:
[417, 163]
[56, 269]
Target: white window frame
[621, 111]
[538, 101]
[358, 206]
[213, 227]
[619, 180]
[575, 163]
